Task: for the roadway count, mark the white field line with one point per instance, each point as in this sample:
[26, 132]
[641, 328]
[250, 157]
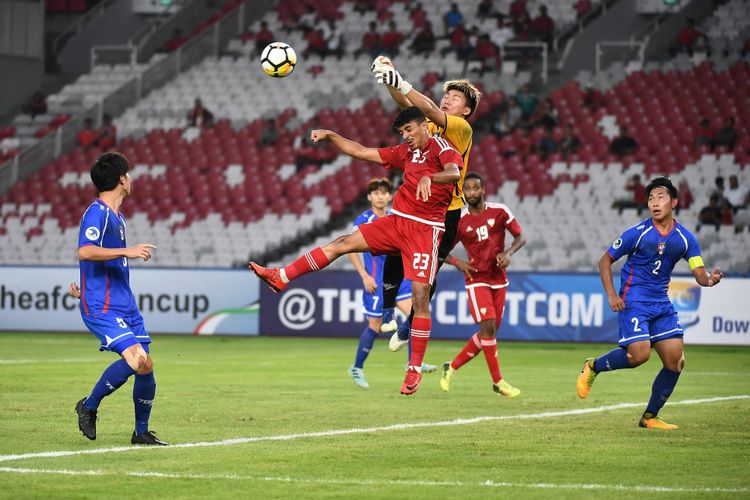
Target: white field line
[375, 482]
[365, 430]
[46, 361]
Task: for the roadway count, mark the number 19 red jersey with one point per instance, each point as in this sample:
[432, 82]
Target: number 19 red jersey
[483, 236]
[429, 160]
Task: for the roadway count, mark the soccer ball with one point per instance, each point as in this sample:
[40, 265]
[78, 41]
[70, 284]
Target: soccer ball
[278, 59]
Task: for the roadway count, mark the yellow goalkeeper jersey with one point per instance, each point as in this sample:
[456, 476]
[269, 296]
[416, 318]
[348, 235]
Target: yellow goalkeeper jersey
[458, 132]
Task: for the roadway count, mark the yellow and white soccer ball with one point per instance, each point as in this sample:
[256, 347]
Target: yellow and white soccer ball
[278, 59]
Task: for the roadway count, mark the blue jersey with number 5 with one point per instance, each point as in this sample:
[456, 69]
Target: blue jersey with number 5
[105, 285]
[651, 258]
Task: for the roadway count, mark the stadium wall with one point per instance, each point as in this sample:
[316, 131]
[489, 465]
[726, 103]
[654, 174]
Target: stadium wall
[565, 307]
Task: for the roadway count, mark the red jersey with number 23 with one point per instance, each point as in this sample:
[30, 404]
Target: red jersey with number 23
[483, 237]
[416, 164]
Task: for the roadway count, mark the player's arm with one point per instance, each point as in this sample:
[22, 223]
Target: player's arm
[367, 281]
[449, 175]
[99, 254]
[348, 147]
[462, 265]
[605, 273]
[404, 93]
[503, 258]
[701, 275]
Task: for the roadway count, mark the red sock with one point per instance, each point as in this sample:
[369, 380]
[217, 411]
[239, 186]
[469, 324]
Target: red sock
[489, 346]
[313, 261]
[420, 335]
[470, 350]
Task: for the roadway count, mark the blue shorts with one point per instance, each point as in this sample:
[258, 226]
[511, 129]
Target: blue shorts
[372, 303]
[652, 321]
[118, 332]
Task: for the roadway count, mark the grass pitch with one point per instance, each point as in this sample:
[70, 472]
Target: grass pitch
[278, 418]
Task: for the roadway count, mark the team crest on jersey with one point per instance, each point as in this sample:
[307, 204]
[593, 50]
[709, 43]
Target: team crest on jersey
[469, 229]
[641, 227]
[491, 222]
[660, 247]
[92, 233]
[122, 233]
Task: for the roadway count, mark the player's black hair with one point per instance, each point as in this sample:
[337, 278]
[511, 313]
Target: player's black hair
[107, 170]
[474, 175]
[664, 182]
[377, 183]
[406, 115]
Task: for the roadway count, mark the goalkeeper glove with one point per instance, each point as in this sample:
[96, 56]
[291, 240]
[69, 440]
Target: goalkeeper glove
[393, 78]
[381, 64]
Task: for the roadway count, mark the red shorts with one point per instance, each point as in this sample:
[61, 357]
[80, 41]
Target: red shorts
[486, 303]
[416, 242]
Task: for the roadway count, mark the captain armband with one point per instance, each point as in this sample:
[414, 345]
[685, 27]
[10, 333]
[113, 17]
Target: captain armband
[695, 262]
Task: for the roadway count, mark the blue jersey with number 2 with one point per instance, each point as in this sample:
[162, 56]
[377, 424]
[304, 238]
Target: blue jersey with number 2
[651, 259]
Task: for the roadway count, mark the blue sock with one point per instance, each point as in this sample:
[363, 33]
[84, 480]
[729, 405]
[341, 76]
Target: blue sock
[615, 359]
[112, 379]
[661, 390]
[366, 340]
[144, 390]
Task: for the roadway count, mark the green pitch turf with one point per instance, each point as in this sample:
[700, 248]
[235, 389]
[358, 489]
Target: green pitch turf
[214, 389]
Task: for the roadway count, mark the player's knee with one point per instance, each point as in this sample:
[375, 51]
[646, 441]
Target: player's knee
[147, 366]
[681, 363]
[637, 357]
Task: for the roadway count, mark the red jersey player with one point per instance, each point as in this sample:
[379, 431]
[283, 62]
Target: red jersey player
[413, 229]
[482, 231]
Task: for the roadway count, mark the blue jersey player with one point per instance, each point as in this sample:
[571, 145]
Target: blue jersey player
[107, 305]
[646, 315]
[379, 194]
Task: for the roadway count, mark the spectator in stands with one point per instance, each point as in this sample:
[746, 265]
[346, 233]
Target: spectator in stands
[503, 31]
[199, 116]
[510, 118]
[517, 9]
[705, 136]
[623, 144]
[392, 40]
[719, 188]
[582, 8]
[592, 98]
[550, 118]
[543, 26]
[487, 53]
[688, 37]
[418, 17]
[175, 41]
[263, 37]
[371, 42]
[269, 135]
[37, 105]
[715, 213]
[727, 135]
[459, 43]
[522, 28]
[87, 136]
[746, 47]
[452, 18]
[527, 102]
[106, 136]
[333, 38]
[308, 20]
[424, 42]
[637, 197]
[547, 144]
[316, 44]
[736, 194]
[570, 143]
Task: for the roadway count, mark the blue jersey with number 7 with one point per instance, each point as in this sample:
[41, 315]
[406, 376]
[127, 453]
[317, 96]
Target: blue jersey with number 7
[651, 258]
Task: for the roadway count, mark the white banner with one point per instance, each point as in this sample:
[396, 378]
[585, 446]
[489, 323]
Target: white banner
[171, 300]
[713, 316]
